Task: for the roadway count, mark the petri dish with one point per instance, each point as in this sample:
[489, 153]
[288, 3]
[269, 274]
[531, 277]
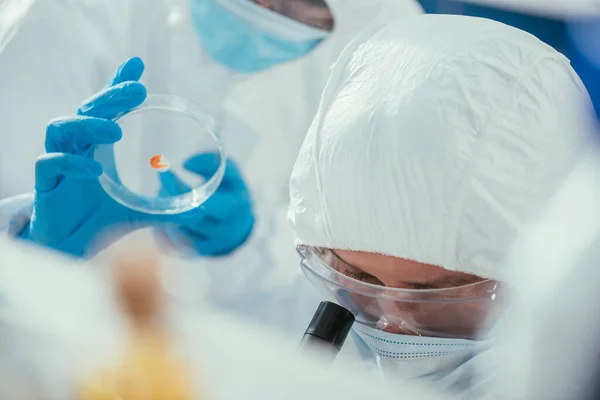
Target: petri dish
[159, 137]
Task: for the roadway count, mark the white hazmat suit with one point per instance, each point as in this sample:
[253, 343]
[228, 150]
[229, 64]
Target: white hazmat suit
[438, 139]
[54, 54]
[57, 318]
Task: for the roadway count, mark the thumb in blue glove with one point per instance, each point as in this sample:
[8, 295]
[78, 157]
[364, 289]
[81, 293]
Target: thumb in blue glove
[225, 220]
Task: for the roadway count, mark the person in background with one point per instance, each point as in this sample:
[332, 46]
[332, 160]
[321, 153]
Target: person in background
[201, 50]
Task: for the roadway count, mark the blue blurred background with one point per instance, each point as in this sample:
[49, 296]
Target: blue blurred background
[578, 38]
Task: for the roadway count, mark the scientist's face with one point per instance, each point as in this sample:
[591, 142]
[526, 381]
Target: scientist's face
[310, 12]
[427, 308]
[379, 269]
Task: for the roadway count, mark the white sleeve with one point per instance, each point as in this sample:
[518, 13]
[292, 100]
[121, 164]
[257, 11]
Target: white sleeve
[15, 213]
[53, 55]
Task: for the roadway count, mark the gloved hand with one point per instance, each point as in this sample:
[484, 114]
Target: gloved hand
[71, 211]
[227, 220]
[70, 208]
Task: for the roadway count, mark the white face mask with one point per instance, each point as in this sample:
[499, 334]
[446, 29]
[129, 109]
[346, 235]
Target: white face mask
[445, 364]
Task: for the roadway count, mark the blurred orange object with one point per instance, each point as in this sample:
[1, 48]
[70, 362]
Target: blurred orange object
[148, 368]
[159, 162]
[147, 371]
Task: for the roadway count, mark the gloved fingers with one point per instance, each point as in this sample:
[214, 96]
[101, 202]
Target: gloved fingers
[52, 167]
[194, 243]
[185, 236]
[201, 228]
[206, 164]
[210, 239]
[114, 100]
[222, 206]
[130, 70]
[74, 134]
[219, 207]
[223, 240]
[171, 184]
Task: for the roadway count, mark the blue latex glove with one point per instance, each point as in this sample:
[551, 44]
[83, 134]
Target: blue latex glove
[70, 208]
[227, 220]
[71, 211]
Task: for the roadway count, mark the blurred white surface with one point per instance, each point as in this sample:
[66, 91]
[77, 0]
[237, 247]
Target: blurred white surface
[56, 310]
[549, 334]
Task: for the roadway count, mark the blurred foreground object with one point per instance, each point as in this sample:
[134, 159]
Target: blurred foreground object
[549, 342]
[57, 311]
[147, 369]
[563, 329]
[565, 362]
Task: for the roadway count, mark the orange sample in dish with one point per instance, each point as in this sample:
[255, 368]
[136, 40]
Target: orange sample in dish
[159, 163]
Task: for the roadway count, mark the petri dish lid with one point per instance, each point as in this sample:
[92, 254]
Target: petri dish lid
[151, 169]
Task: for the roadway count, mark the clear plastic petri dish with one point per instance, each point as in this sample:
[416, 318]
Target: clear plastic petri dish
[146, 170]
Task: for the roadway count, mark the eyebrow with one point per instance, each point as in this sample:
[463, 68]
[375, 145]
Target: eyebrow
[446, 282]
[439, 283]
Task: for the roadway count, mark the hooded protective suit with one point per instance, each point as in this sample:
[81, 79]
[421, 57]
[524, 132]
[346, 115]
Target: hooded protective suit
[448, 133]
[438, 139]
